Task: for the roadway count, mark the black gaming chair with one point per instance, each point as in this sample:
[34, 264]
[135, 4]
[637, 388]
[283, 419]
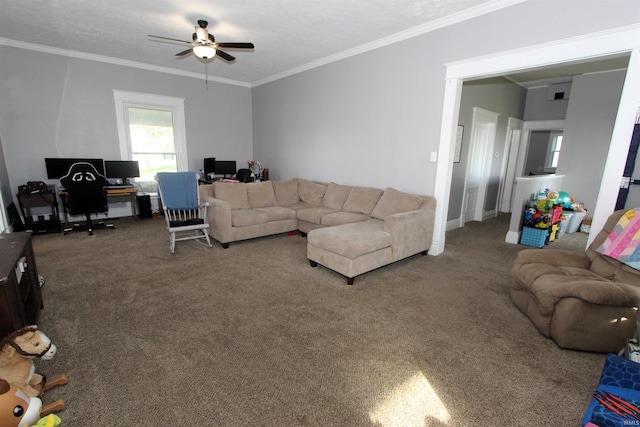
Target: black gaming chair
[86, 194]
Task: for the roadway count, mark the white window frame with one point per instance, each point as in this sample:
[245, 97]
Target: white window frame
[124, 100]
[553, 138]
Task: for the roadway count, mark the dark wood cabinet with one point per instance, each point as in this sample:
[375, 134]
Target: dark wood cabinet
[20, 295]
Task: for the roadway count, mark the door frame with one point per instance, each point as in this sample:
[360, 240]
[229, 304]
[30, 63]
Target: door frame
[479, 151]
[618, 41]
[509, 162]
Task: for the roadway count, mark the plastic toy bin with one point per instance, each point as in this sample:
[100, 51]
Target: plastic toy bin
[534, 236]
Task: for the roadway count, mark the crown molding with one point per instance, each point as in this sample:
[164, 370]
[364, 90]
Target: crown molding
[116, 61]
[394, 38]
[613, 41]
[466, 15]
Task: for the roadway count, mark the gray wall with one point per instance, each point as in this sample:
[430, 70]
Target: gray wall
[500, 96]
[537, 153]
[374, 119]
[540, 108]
[55, 106]
[588, 127]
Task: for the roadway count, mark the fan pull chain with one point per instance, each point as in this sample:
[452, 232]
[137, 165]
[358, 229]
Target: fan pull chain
[206, 75]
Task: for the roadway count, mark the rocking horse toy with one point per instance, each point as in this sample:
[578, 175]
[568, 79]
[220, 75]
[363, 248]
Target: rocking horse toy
[19, 410]
[17, 353]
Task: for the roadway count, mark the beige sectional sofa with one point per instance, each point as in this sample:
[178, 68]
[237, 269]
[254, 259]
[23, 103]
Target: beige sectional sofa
[350, 229]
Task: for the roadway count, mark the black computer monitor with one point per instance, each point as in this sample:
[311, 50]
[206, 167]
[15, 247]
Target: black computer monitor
[209, 165]
[225, 167]
[121, 170]
[58, 167]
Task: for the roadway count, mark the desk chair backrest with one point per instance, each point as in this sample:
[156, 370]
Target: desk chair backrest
[85, 188]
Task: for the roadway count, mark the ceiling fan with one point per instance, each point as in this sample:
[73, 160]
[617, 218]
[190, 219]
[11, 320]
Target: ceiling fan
[204, 45]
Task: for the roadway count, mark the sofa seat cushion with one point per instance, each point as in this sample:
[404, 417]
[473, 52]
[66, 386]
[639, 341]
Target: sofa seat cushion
[278, 213]
[298, 205]
[351, 240]
[247, 217]
[314, 214]
[339, 218]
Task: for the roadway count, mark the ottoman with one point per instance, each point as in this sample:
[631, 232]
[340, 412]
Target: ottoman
[350, 249]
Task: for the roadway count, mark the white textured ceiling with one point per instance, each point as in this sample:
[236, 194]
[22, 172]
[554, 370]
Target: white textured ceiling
[288, 34]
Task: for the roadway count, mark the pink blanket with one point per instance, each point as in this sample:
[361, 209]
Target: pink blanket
[623, 243]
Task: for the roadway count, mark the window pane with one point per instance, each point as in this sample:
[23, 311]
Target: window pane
[554, 161]
[151, 164]
[558, 143]
[152, 142]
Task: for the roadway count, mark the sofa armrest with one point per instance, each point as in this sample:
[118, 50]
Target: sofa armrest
[219, 218]
[411, 232]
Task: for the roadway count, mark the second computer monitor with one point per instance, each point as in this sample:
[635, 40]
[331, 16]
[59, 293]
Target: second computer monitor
[225, 167]
[121, 170]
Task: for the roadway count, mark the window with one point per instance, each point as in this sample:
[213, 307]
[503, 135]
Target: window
[151, 129]
[555, 145]
[152, 142]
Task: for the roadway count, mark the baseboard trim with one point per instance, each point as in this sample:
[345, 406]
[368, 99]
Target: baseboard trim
[512, 237]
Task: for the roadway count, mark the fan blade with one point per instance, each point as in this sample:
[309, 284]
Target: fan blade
[237, 45]
[185, 52]
[224, 55]
[168, 38]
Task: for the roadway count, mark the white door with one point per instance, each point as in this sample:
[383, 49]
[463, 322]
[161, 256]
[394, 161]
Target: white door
[512, 148]
[483, 134]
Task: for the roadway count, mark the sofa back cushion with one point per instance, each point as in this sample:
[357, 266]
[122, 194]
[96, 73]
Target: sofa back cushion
[394, 201]
[261, 195]
[362, 200]
[336, 195]
[311, 192]
[233, 193]
[286, 192]
[205, 190]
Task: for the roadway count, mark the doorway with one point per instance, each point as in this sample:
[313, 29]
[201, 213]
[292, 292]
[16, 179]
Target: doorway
[590, 47]
[483, 135]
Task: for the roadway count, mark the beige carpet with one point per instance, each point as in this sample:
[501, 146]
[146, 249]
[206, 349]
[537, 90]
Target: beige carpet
[253, 336]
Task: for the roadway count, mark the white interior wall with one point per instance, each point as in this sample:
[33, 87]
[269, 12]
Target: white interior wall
[588, 128]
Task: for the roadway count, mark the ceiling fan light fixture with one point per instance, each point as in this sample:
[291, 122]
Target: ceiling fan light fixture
[204, 52]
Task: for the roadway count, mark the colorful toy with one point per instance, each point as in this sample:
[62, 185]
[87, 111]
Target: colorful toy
[16, 408]
[17, 352]
[564, 199]
[50, 420]
[19, 410]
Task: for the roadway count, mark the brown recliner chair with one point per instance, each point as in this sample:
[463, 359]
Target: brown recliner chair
[582, 300]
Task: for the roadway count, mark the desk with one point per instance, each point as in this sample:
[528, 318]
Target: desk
[40, 199]
[111, 192]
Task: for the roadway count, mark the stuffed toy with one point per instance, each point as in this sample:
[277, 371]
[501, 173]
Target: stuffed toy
[17, 352]
[50, 420]
[19, 410]
[16, 408]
